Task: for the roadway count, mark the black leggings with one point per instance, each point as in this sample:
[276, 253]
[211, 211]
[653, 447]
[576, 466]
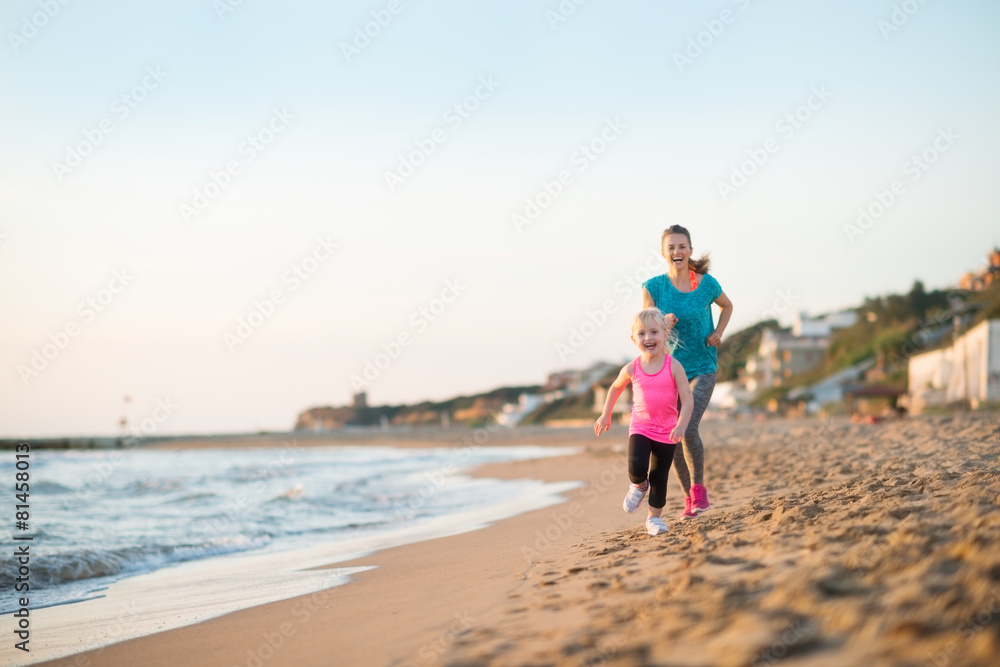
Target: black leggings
[650, 458]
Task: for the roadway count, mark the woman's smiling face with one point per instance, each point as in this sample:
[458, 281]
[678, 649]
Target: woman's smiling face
[677, 250]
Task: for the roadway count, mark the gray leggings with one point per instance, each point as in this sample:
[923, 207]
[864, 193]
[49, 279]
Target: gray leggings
[691, 457]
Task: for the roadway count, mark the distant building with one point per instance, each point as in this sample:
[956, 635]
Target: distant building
[976, 281]
[320, 420]
[360, 400]
[823, 326]
[780, 356]
[601, 389]
[967, 371]
[576, 381]
[832, 388]
[511, 414]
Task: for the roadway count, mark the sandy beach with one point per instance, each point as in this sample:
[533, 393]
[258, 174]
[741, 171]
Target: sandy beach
[828, 544]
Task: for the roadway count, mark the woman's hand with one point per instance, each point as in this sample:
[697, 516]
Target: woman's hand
[714, 340]
[671, 320]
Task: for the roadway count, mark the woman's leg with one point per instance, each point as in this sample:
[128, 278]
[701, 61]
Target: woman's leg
[662, 455]
[689, 460]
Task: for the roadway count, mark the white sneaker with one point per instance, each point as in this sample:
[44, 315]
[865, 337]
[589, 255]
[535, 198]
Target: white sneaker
[634, 498]
[655, 526]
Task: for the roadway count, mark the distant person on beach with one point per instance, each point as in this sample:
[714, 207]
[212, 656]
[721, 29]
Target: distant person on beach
[659, 387]
[685, 293]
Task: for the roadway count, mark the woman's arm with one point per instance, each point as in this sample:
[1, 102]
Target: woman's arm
[723, 302]
[603, 423]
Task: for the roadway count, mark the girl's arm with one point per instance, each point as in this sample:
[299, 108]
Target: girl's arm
[723, 302]
[603, 423]
[687, 404]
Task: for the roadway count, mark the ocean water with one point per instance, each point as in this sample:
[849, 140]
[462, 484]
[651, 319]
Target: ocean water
[101, 516]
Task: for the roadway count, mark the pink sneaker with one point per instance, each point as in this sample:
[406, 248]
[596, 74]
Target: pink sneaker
[687, 513]
[699, 499]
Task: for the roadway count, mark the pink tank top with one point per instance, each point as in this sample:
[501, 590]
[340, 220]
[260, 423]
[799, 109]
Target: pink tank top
[654, 402]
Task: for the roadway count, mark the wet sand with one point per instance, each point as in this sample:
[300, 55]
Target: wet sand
[827, 544]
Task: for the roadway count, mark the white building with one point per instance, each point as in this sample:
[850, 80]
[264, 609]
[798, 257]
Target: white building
[968, 370]
[823, 326]
[512, 413]
[831, 388]
[780, 356]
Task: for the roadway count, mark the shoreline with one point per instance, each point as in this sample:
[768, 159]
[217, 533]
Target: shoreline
[264, 570]
[827, 544]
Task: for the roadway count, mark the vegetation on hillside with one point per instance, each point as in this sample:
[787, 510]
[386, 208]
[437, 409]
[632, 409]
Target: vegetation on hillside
[580, 406]
[897, 326]
[475, 410]
[737, 348]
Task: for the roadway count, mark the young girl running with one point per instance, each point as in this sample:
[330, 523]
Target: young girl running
[658, 381]
[686, 293]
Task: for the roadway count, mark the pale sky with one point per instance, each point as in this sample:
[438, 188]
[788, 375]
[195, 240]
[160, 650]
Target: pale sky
[170, 168]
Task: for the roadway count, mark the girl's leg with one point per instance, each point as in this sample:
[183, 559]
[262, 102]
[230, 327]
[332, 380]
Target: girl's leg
[690, 459]
[639, 447]
[662, 455]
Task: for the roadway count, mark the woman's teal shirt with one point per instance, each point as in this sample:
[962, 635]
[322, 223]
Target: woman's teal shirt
[694, 320]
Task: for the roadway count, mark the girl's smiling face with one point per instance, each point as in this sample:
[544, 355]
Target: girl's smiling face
[677, 250]
[650, 338]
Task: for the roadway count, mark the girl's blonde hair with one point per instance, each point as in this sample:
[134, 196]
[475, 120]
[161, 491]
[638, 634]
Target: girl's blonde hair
[655, 316]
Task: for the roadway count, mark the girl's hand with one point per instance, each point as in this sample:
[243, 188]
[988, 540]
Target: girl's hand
[671, 320]
[602, 425]
[714, 340]
[678, 432]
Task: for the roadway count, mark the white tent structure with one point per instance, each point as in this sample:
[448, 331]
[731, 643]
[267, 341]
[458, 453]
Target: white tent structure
[968, 370]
